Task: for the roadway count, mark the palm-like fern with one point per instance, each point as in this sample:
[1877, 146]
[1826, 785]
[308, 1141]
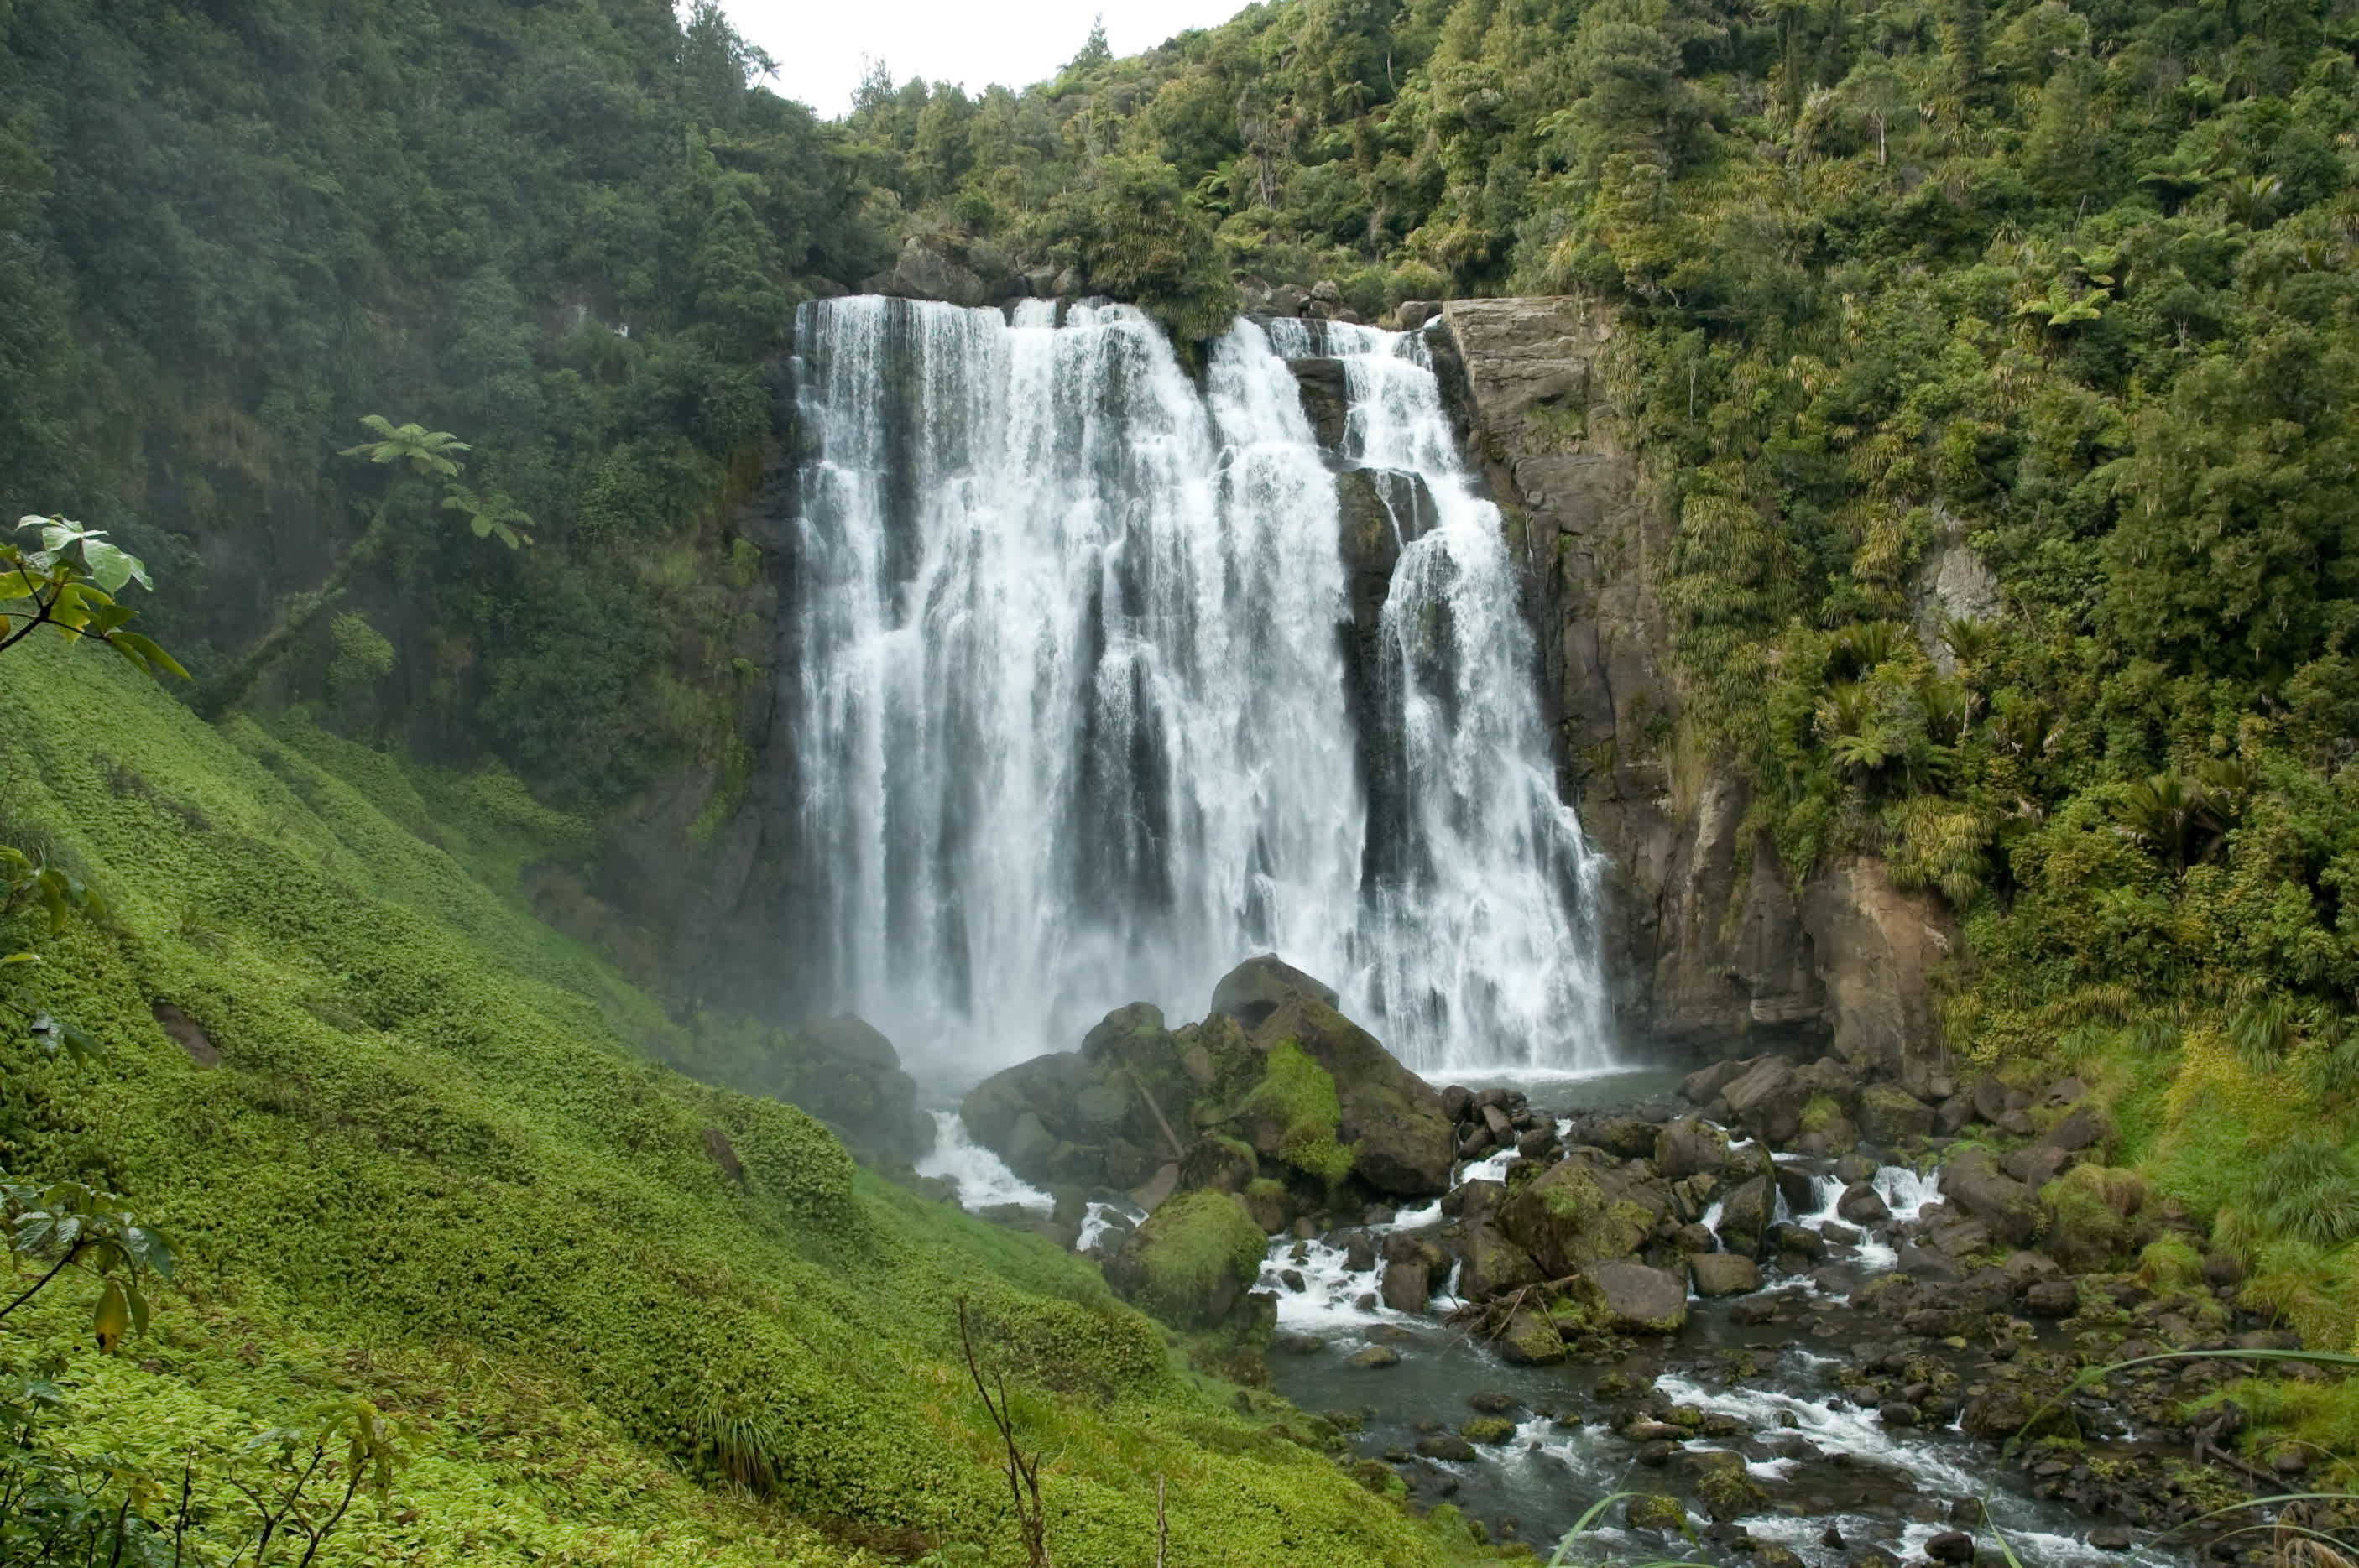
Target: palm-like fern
[427, 451]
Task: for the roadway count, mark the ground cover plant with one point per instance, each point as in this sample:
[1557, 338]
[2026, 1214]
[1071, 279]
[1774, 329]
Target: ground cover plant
[407, 1152]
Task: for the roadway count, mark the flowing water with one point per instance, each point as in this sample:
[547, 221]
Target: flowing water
[1070, 704]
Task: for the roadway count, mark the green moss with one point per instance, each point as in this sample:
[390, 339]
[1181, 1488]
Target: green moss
[1655, 1511]
[1197, 1249]
[1820, 1113]
[433, 1169]
[1488, 1429]
[2170, 1264]
[1299, 1094]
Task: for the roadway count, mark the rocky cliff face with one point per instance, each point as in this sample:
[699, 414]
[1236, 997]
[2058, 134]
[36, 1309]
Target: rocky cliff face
[1713, 945]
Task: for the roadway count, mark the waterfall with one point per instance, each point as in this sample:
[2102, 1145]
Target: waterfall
[1067, 683]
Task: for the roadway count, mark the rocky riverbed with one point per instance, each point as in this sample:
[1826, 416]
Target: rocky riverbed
[1800, 1312]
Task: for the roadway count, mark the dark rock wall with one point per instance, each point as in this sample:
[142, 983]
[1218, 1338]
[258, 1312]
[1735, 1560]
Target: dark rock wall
[1711, 944]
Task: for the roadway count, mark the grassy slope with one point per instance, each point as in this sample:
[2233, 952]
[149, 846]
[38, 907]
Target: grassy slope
[431, 1170]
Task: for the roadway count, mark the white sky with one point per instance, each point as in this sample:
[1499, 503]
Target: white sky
[819, 46]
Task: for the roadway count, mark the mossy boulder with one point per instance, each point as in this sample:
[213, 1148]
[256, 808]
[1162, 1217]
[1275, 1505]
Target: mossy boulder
[1529, 1339]
[1745, 1215]
[1295, 1114]
[1191, 1262]
[1890, 1116]
[1488, 1430]
[1654, 1510]
[1728, 1492]
[1390, 1120]
[1583, 1209]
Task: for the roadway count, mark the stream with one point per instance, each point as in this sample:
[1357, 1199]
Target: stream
[1767, 1381]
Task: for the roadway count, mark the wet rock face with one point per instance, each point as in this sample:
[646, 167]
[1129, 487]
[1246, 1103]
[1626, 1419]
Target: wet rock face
[1714, 938]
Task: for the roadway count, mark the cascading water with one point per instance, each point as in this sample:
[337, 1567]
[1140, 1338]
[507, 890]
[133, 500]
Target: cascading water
[1069, 674]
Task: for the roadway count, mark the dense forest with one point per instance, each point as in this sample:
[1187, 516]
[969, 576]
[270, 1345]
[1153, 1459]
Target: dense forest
[2076, 284]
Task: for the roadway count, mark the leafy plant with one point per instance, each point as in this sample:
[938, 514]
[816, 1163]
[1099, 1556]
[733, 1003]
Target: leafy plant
[71, 580]
[71, 1225]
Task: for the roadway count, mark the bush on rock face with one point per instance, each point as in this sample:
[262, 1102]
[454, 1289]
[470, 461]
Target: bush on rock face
[1192, 1260]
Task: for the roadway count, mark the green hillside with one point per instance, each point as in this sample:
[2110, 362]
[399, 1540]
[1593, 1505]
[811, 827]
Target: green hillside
[432, 1169]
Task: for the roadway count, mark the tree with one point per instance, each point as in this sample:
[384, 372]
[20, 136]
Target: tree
[424, 454]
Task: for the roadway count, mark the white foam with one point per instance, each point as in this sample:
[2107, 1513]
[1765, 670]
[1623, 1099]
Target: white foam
[1327, 1304]
[1096, 1220]
[982, 1177]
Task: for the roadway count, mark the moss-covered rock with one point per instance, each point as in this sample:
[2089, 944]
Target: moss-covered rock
[1583, 1209]
[1530, 1339]
[1727, 1492]
[1654, 1510]
[1293, 1114]
[1192, 1260]
[1488, 1430]
[1390, 1119]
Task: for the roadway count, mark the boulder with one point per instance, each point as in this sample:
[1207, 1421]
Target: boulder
[1970, 1181]
[1491, 1266]
[1927, 1265]
[1529, 1339]
[848, 1074]
[1702, 1086]
[1407, 1285]
[1218, 1164]
[2004, 1408]
[1584, 1208]
[1767, 1100]
[1636, 1298]
[1861, 1204]
[2081, 1128]
[1389, 1117]
[1890, 1116]
[1723, 1274]
[923, 272]
[1689, 1145]
[1253, 990]
[1655, 1511]
[2052, 1298]
[1745, 1215]
[1191, 1262]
